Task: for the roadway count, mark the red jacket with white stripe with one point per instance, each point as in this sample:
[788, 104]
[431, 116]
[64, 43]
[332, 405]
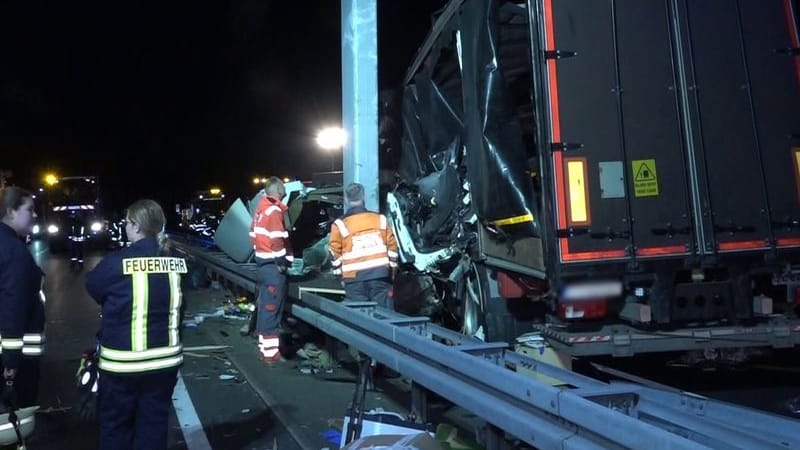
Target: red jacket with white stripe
[268, 231]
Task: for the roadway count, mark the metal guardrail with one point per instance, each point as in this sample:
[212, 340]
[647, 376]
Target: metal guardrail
[482, 378]
[623, 340]
[243, 275]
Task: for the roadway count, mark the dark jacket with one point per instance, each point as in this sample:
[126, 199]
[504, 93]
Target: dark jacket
[21, 302]
[140, 295]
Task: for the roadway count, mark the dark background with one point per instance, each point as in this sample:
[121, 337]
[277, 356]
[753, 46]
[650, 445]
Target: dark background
[160, 99]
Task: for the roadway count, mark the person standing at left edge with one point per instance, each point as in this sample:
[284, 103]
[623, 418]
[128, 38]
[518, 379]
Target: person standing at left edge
[139, 290]
[21, 299]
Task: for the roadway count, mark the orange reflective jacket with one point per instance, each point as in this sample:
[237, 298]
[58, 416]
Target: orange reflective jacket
[363, 246]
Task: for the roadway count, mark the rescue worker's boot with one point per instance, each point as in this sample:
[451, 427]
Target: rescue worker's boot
[269, 346]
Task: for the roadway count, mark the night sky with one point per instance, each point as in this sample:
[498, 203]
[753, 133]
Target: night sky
[122, 90]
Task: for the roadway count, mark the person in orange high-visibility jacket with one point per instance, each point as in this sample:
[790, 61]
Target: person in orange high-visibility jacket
[273, 256]
[364, 251]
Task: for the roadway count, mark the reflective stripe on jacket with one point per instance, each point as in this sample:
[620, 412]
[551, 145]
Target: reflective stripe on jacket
[268, 230]
[362, 246]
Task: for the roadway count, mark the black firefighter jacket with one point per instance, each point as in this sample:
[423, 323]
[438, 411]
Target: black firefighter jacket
[139, 291]
[21, 301]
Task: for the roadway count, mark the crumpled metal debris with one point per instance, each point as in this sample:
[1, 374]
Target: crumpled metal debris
[314, 360]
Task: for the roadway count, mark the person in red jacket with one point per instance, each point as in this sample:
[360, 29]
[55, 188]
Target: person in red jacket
[273, 256]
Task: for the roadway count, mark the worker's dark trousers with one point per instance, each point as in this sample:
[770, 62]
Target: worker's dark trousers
[26, 381]
[134, 410]
[379, 291]
[271, 296]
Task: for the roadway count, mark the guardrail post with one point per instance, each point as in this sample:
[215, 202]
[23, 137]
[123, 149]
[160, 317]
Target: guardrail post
[494, 438]
[419, 403]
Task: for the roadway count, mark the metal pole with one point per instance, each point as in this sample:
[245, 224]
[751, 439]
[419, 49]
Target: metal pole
[360, 96]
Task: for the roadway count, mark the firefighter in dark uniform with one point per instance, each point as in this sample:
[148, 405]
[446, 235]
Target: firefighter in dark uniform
[139, 290]
[21, 299]
[77, 237]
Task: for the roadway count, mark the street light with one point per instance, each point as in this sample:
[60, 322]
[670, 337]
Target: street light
[50, 179]
[331, 139]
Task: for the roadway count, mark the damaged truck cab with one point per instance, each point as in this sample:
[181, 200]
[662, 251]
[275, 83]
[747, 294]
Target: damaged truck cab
[623, 176]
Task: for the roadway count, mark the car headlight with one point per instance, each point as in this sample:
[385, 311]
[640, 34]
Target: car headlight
[52, 229]
[96, 226]
[36, 229]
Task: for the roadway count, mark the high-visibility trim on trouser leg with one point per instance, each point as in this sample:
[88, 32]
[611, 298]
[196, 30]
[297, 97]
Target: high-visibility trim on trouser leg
[262, 345]
[269, 341]
[32, 338]
[11, 343]
[32, 350]
[270, 352]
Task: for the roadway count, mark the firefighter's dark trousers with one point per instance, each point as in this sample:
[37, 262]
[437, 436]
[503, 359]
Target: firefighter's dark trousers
[379, 291]
[134, 410]
[271, 296]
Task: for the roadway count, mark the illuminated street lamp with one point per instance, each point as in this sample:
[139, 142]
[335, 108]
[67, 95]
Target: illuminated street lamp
[331, 139]
[50, 179]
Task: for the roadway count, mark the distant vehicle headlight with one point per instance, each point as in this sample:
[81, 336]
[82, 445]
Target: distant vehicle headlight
[52, 229]
[36, 229]
[96, 226]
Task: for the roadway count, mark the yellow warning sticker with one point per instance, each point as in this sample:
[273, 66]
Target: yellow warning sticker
[645, 178]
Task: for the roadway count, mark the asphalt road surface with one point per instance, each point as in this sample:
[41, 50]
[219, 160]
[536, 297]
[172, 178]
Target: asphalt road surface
[214, 407]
